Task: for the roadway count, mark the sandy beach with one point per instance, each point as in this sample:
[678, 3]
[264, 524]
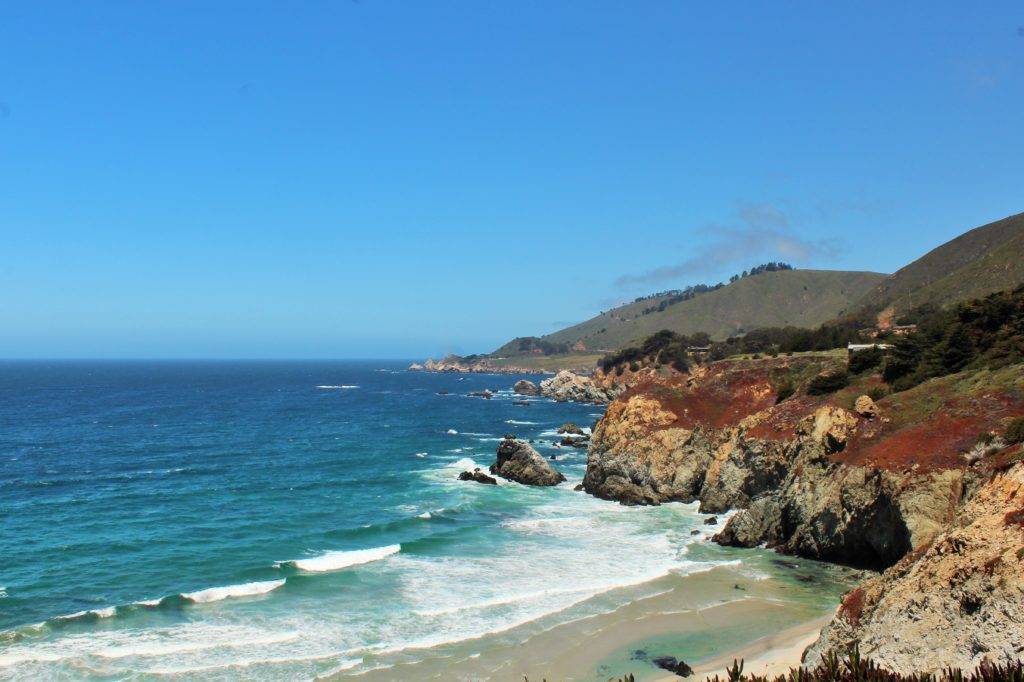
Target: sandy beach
[706, 619]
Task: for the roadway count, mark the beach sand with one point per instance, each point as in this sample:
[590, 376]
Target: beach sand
[706, 619]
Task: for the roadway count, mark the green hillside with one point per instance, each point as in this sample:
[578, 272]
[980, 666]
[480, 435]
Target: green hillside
[986, 259]
[800, 298]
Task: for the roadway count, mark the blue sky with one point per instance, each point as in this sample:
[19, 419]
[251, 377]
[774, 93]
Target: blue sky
[398, 179]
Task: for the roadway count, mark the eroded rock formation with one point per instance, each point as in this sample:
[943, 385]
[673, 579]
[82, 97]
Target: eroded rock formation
[519, 462]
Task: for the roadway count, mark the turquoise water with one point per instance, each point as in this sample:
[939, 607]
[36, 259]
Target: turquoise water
[266, 520]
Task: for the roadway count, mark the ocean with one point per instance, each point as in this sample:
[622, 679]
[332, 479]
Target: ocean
[289, 520]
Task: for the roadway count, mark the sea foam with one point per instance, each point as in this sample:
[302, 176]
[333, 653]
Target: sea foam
[337, 560]
[213, 594]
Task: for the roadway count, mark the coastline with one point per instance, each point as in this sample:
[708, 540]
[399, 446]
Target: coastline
[769, 656]
[705, 618]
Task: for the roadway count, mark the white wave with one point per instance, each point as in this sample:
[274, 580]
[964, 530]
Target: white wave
[107, 612]
[337, 560]
[421, 454]
[464, 464]
[148, 602]
[520, 423]
[213, 594]
[452, 432]
[343, 386]
[424, 515]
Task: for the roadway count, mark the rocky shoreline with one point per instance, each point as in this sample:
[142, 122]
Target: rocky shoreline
[892, 485]
[842, 479]
[462, 366]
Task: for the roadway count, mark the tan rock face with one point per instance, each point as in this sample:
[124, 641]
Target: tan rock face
[569, 386]
[956, 601]
[865, 407]
[829, 425]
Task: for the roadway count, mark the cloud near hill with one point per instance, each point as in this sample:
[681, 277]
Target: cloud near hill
[757, 232]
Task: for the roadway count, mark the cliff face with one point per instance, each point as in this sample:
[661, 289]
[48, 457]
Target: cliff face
[840, 478]
[955, 601]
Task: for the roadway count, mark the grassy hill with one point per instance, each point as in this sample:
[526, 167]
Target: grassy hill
[986, 259]
[801, 298]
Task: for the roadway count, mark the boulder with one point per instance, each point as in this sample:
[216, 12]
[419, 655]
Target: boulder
[711, 520]
[567, 386]
[524, 387]
[478, 476]
[673, 665]
[829, 425]
[486, 394]
[569, 427]
[865, 407]
[518, 461]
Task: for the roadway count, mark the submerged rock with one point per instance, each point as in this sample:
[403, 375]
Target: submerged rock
[673, 665]
[518, 461]
[478, 476]
[486, 394]
[525, 387]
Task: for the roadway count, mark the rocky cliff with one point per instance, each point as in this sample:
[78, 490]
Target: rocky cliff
[955, 601]
[838, 477]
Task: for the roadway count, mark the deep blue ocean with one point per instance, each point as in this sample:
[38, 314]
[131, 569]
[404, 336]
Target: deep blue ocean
[283, 520]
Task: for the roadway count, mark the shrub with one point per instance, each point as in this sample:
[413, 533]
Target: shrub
[828, 383]
[877, 393]
[634, 366]
[864, 360]
[784, 390]
[1015, 431]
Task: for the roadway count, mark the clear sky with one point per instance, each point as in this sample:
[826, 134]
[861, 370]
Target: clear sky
[398, 179]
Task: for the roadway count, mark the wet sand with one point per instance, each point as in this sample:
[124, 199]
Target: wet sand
[706, 619]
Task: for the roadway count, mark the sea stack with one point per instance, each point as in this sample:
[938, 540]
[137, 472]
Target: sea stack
[519, 462]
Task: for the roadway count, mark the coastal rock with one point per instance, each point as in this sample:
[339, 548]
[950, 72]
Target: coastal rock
[525, 387]
[469, 365]
[569, 427]
[865, 407]
[518, 461]
[567, 386]
[829, 425]
[955, 601]
[478, 476]
[486, 394]
[673, 665]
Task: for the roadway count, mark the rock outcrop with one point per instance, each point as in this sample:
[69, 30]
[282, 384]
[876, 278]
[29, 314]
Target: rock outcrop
[518, 461]
[478, 476]
[475, 365]
[955, 601]
[525, 387]
[571, 428]
[567, 386]
[884, 486]
[865, 407]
